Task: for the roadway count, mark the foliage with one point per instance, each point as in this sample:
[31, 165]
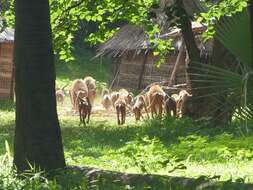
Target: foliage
[67, 17]
[216, 11]
[233, 86]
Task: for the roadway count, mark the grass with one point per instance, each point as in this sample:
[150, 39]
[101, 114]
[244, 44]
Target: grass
[175, 147]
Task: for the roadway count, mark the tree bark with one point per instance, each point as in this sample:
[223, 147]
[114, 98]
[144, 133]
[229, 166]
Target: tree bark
[251, 24]
[37, 139]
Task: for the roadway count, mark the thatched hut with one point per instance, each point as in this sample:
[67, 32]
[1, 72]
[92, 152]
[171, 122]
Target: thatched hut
[6, 64]
[134, 63]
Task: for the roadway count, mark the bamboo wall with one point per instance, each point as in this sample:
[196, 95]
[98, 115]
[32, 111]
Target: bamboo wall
[130, 67]
[6, 70]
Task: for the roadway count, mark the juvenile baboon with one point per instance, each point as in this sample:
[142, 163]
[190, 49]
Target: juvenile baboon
[120, 106]
[105, 91]
[91, 84]
[106, 99]
[60, 94]
[170, 106]
[138, 106]
[156, 100]
[77, 85]
[182, 100]
[114, 97]
[84, 107]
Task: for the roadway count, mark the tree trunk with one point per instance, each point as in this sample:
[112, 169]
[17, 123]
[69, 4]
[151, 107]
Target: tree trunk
[37, 134]
[251, 23]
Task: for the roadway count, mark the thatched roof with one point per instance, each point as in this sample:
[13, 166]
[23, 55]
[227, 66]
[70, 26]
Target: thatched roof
[134, 38]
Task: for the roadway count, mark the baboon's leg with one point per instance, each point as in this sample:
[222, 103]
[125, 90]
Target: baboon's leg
[160, 110]
[141, 116]
[89, 112]
[84, 117]
[80, 115]
[123, 115]
[117, 110]
[152, 112]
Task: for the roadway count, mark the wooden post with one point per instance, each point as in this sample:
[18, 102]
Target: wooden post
[173, 74]
[143, 69]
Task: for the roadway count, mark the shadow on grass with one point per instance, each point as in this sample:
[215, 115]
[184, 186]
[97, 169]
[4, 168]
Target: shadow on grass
[91, 178]
[177, 137]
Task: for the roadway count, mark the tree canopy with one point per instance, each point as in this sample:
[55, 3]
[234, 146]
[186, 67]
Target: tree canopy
[67, 17]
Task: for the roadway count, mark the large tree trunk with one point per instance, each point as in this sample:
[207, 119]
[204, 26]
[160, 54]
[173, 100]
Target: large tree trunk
[37, 134]
[251, 23]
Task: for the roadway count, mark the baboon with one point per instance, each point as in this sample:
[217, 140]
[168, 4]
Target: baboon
[77, 85]
[181, 103]
[60, 94]
[156, 97]
[138, 107]
[105, 91]
[106, 99]
[91, 84]
[127, 96]
[120, 106]
[114, 97]
[176, 98]
[170, 106]
[84, 107]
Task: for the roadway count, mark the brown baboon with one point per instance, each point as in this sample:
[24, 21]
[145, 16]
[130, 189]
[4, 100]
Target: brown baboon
[176, 98]
[156, 97]
[77, 85]
[105, 91]
[183, 97]
[106, 99]
[170, 106]
[84, 107]
[120, 106]
[128, 96]
[91, 84]
[114, 97]
[60, 94]
[138, 107]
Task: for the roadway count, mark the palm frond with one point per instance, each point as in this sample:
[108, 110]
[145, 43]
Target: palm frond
[234, 33]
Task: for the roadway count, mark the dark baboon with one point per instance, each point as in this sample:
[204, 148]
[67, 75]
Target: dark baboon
[84, 107]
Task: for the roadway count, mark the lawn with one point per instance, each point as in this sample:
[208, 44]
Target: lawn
[174, 147]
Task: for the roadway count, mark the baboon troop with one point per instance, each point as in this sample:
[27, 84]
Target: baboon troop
[82, 94]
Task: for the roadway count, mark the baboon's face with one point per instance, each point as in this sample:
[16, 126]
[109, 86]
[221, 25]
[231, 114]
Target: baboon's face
[129, 99]
[92, 92]
[137, 114]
